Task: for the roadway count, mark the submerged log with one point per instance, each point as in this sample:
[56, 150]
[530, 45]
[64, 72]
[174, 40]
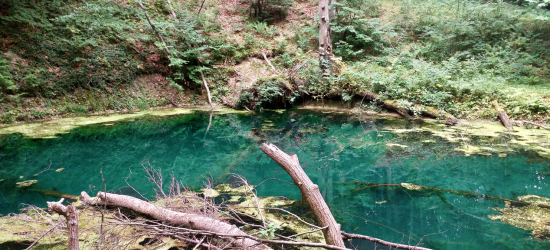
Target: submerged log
[190, 221]
[503, 116]
[309, 191]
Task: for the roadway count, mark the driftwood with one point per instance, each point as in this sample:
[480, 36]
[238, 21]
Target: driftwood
[503, 116]
[309, 191]
[190, 221]
[72, 221]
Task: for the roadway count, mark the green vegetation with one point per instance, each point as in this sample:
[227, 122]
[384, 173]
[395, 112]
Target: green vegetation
[86, 56]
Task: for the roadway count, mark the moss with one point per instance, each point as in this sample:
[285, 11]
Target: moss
[502, 142]
[243, 201]
[531, 217]
[50, 129]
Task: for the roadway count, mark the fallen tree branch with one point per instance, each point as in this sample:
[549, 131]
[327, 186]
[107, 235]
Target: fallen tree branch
[155, 29]
[207, 89]
[177, 230]
[268, 62]
[537, 124]
[503, 116]
[190, 221]
[425, 110]
[382, 242]
[309, 191]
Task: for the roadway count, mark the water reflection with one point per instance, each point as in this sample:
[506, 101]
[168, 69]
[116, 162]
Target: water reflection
[335, 150]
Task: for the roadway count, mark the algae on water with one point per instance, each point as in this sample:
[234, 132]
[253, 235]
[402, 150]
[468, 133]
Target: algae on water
[531, 217]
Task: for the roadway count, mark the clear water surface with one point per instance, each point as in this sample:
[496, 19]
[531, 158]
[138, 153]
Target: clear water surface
[335, 150]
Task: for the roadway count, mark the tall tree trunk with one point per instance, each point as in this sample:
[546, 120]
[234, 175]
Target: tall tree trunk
[309, 191]
[325, 44]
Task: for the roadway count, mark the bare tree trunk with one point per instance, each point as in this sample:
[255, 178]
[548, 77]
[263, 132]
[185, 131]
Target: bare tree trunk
[72, 221]
[207, 89]
[503, 116]
[309, 190]
[325, 43]
[190, 221]
[155, 29]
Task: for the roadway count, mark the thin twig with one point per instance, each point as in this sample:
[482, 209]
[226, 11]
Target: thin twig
[49, 231]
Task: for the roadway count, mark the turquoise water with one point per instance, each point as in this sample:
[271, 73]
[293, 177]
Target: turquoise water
[335, 151]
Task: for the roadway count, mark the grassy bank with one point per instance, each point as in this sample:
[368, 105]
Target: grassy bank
[62, 58]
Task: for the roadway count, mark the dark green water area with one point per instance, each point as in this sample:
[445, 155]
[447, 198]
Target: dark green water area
[337, 151]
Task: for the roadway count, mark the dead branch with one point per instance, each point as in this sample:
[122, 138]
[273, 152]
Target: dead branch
[155, 176]
[186, 220]
[537, 124]
[155, 29]
[46, 233]
[172, 10]
[72, 222]
[268, 62]
[207, 89]
[382, 242]
[309, 191]
[255, 197]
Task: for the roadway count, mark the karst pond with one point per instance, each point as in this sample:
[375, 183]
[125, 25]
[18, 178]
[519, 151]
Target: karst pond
[388, 178]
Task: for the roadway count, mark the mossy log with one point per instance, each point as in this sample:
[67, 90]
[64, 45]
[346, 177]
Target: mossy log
[426, 110]
[438, 114]
[190, 221]
[503, 116]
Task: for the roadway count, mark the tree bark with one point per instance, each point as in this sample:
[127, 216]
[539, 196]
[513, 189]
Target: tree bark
[191, 221]
[503, 116]
[325, 43]
[72, 221]
[309, 190]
